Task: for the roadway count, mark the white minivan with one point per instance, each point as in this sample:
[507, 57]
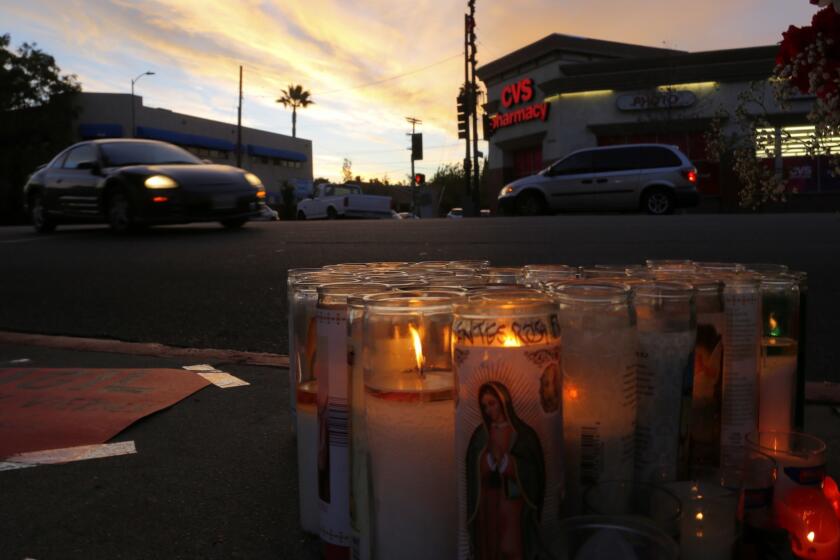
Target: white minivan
[654, 178]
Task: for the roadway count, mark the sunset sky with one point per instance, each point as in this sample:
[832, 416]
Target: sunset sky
[368, 63]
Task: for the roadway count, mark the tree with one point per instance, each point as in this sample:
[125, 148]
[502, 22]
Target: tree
[37, 109]
[295, 96]
[347, 170]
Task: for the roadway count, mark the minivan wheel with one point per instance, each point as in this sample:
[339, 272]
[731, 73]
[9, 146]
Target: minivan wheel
[658, 202]
[41, 220]
[530, 204]
[331, 213]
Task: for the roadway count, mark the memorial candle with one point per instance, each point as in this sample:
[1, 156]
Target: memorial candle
[409, 420]
[810, 521]
[508, 429]
[599, 385]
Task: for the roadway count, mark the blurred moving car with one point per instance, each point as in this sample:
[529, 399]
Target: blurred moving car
[408, 216]
[456, 213]
[129, 183]
[653, 178]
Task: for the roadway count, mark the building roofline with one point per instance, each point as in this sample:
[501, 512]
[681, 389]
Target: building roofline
[557, 42]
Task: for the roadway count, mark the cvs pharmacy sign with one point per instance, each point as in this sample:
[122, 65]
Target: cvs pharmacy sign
[516, 94]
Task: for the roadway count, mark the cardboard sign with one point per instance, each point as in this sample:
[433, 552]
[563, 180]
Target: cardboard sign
[45, 408]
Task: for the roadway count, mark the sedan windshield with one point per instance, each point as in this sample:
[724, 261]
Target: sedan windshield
[118, 154]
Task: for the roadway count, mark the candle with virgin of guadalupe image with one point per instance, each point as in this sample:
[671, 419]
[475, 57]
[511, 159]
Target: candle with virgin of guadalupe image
[508, 424]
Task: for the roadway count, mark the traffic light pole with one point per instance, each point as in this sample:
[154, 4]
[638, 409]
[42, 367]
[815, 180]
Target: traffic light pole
[414, 122]
[476, 191]
[467, 96]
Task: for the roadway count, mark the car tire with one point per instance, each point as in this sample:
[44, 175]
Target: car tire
[658, 202]
[40, 218]
[530, 204]
[235, 223]
[120, 213]
[301, 215]
[331, 213]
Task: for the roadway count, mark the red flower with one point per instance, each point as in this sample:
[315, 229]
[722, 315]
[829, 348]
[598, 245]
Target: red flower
[827, 21]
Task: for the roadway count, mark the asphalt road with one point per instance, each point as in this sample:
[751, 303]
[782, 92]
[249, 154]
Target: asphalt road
[203, 286]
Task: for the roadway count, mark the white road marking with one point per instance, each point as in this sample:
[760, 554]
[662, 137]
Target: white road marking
[67, 455]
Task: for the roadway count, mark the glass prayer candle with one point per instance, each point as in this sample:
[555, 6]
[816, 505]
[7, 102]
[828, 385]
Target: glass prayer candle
[476, 265]
[779, 348]
[535, 275]
[706, 399]
[603, 272]
[720, 267]
[333, 402]
[767, 268]
[601, 537]
[627, 497]
[410, 421]
[599, 385]
[742, 348]
[709, 523]
[809, 518]
[799, 409]
[292, 277]
[507, 275]
[667, 331]
[801, 458]
[758, 474]
[508, 425]
[670, 265]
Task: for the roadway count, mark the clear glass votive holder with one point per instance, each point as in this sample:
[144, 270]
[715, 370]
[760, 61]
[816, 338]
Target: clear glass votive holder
[601, 537]
[800, 457]
[627, 497]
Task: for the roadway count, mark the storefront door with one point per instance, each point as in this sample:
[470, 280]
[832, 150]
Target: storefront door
[527, 161]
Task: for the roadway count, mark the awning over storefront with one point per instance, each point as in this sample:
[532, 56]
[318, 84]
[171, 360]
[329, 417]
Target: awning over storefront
[89, 131]
[265, 151]
[184, 139]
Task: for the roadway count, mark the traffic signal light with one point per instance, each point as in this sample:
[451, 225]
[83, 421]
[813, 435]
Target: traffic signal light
[417, 146]
[463, 114]
[419, 179]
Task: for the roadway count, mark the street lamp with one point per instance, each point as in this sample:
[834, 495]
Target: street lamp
[132, 98]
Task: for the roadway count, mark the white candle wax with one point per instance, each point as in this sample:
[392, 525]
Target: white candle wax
[412, 470]
[307, 454]
[599, 408]
[777, 384]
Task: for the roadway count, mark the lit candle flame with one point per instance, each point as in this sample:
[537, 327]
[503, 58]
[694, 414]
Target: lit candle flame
[774, 325]
[510, 341]
[418, 349]
[699, 516]
[811, 536]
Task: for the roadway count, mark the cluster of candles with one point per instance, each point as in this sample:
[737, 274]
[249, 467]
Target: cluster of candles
[452, 408]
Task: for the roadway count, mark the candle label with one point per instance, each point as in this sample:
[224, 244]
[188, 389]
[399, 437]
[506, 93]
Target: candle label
[508, 434]
[707, 389]
[664, 378]
[740, 372]
[806, 476]
[333, 427]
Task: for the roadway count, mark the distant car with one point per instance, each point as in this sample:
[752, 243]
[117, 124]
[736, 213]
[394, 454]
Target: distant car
[653, 178]
[408, 216]
[456, 213]
[129, 183]
[342, 201]
[267, 215]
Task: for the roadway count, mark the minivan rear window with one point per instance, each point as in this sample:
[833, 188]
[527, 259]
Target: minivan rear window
[652, 157]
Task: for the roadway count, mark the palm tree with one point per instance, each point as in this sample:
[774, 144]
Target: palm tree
[295, 96]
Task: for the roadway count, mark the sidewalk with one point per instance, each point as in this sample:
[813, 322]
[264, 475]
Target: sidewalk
[214, 476]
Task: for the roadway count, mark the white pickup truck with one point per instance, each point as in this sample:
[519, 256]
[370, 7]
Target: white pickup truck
[342, 201]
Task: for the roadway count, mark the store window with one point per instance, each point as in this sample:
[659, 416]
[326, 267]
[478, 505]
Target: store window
[527, 161]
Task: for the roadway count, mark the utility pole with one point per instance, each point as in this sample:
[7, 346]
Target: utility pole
[239, 124]
[467, 104]
[133, 123]
[476, 175]
[414, 122]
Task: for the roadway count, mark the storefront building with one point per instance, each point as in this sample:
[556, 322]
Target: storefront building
[564, 93]
[274, 158]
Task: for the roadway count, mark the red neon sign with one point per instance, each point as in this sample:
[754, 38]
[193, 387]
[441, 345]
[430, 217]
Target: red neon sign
[520, 92]
[514, 94]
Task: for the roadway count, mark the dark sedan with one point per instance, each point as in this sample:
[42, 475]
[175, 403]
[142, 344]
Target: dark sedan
[133, 183]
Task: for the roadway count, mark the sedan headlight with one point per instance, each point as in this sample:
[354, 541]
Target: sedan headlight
[253, 180]
[160, 182]
[506, 190]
